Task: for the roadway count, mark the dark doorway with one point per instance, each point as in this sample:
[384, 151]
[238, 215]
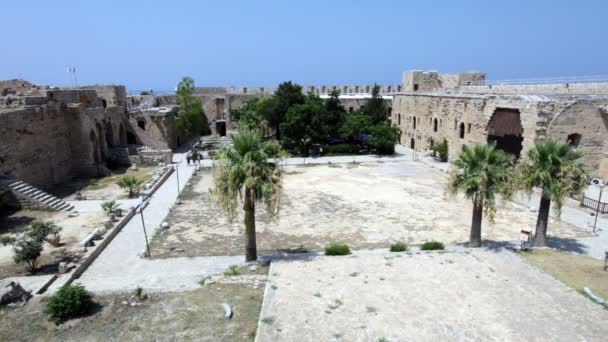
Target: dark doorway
[220, 128]
[574, 140]
[435, 125]
[131, 139]
[461, 130]
[412, 143]
[505, 130]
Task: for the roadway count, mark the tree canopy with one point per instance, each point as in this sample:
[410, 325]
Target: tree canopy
[191, 119]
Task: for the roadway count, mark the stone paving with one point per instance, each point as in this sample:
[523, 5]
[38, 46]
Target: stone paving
[458, 295]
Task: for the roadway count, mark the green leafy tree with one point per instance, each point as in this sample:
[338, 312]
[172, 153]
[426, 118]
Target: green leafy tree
[376, 108]
[383, 138]
[131, 184]
[27, 250]
[191, 119]
[481, 172]
[556, 169]
[246, 171]
[287, 95]
[334, 112]
[305, 124]
[249, 116]
[355, 123]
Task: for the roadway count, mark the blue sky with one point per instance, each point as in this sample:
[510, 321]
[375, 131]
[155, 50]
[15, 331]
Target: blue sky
[151, 44]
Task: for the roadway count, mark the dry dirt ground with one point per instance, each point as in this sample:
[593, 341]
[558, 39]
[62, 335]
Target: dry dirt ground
[74, 230]
[477, 295]
[185, 316]
[576, 271]
[104, 188]
[364, 205]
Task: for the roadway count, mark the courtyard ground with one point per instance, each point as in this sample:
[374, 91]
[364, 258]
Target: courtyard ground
[74, 230]
[576, 271]
[367, 205]
[423, 296]
[103, 188]
[195, 315]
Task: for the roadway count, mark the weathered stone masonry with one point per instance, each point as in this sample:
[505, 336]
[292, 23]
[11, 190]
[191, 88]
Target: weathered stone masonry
[513, 117]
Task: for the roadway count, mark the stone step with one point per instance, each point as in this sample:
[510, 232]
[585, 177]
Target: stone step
[39, 196]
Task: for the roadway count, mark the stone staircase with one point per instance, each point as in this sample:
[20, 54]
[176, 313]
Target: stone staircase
[33, 197]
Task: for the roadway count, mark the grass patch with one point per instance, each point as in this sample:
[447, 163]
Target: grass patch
[337, 249]
[432, 246]
[398, 247]
[576, 271]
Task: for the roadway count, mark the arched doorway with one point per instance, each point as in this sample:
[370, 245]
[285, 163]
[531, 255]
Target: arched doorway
[412, 144]
[122, 135]
[435, 125]
[101, 141]
[95, 143]
[461, 130]
[131, 139]
[505, 130]
[109, 134]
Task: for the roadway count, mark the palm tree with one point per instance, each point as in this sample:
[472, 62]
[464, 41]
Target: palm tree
[130, 183]
[247, 171]
[481, 173]
[554, 167]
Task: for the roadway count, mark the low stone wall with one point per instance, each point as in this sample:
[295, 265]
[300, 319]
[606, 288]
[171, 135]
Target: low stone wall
[152, 157]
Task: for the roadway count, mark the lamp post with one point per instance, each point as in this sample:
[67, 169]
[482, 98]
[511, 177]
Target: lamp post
[176, 167]
[597, 209]
[143, 204]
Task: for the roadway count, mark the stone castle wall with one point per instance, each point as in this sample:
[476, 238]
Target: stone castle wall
[467, 119]
[69, 132]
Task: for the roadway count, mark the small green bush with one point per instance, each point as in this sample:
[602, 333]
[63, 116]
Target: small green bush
[69, 302]
[398, 247]
[232, 270]
[6, 240]
[109, 206]
[341, 149]
[441, 149]
[337, 249]
[432, 246]
[131, 184]
[42, 230]
[27, 250]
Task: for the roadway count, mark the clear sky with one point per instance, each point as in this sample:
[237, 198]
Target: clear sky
[151, 44]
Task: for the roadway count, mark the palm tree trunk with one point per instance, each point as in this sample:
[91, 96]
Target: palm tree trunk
[251, 252]
[475, 238]
[540, 238]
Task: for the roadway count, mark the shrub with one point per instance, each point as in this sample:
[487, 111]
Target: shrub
[27, 250]
[109, 206]
[232, 270]
[42, 230]
[441, 149]
[130, 183]
[432, 245]
[340, 149]
[337, 249]
[398, 247]
[6, 240]
[69, 302]
[383, 139]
